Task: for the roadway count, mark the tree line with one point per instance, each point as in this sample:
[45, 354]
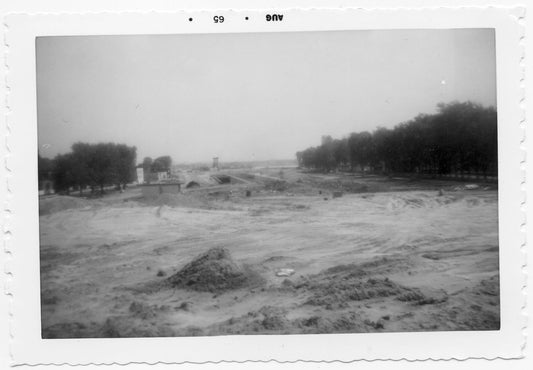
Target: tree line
[93, 166]
[460, 138]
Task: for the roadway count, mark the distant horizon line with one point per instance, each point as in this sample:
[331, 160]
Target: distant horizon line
[222, 162]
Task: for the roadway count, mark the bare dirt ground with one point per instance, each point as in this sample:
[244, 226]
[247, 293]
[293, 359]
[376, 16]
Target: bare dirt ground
[389, 255]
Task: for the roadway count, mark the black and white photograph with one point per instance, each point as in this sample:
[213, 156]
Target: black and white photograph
[268, 183]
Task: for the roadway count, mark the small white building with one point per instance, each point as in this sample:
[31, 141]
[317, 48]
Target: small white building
[140, 175]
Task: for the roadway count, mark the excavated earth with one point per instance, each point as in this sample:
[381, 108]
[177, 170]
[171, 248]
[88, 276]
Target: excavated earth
[387, 255]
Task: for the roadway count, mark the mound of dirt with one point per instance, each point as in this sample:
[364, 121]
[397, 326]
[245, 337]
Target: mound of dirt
[194, 200]
[178, 200]
[419, 200]
[337, 294]
[60, 203]
[336, 287]
[214, 271]
[277, 185]
[274, 320]
[266, 320]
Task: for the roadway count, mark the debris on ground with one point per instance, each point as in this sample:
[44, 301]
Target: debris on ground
[284, 272]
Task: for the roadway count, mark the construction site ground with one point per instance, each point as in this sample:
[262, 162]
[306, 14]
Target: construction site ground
[385, 254]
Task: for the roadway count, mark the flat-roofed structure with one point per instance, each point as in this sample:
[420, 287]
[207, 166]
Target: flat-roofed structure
[154, 190]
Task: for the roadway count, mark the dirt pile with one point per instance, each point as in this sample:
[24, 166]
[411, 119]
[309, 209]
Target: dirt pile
[270, 318]
[61, 202]
[277, 185]
[347, 185]
[178, 200]
[213, 200]
[336, 287]
[214, 271]
[333, 294]
[275, 320]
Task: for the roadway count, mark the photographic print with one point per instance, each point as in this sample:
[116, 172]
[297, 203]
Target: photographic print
[268, 183]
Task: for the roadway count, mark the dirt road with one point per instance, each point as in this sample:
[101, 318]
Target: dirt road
[409, 260]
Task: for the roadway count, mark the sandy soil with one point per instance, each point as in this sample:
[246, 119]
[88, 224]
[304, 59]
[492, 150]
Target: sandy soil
[389, 255]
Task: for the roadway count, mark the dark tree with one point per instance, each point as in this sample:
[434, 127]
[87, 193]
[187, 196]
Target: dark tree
[147, 165]
[82, 154]
[102, 165]
[162, 164]
[361, 150]
[63, 173]
[125, 162]
[45, 170]
[341, 154]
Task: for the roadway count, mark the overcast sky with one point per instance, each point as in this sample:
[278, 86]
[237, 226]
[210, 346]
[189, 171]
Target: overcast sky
[250, 96]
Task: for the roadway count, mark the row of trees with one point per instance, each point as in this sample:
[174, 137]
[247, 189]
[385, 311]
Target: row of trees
[90, 165]
[460, 138]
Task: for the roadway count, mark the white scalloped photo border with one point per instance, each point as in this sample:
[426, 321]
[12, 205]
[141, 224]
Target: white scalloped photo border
[21, 238]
